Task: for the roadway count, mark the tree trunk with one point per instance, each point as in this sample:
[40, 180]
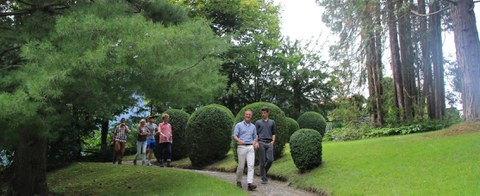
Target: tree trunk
[406, 56]
[30, 165]
[426, 62]
[105, 125]
[395, 55]
[438, 100]
[467, 47]
[378, 64]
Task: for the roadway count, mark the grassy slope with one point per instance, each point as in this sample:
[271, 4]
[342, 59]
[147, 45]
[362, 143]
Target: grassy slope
[437, 163]
[108, 179]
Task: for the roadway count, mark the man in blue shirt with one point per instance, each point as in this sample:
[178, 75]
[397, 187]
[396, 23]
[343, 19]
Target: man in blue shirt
[245, 134]
[266, 138]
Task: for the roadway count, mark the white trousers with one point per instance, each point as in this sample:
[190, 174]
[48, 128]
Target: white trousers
[245, 153]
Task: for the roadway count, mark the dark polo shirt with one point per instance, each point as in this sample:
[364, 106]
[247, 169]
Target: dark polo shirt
[265, 129]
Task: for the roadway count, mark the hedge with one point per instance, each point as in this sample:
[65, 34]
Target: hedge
[306, 149]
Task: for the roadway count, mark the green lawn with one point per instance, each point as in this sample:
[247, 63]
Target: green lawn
[437, 163]
[109, 179]
[443, 162]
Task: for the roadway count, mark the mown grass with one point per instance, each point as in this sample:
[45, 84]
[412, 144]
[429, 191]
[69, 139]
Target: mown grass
[435, 163]
[108, 179]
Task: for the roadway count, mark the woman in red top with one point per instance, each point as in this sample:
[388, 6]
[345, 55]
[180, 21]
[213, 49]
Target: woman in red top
[165, 131]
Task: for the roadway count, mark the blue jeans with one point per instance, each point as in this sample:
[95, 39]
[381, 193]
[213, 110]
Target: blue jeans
[141, 149]
[166, 153]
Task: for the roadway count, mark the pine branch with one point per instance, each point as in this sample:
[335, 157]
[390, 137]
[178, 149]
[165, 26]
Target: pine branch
[430, 14]
[9, 49]
[10, 67]
[16, 13]
[194, 65]
[452, 2]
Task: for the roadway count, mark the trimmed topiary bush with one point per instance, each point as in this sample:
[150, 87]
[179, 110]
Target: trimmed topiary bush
[209, 134]
[276, 114]
[306, 149]
[292, 126]
[312, 120]
[178, 120]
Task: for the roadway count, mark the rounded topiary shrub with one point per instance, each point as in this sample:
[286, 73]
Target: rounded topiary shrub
[306, 149]
[178, 120]
[292, 126]
[276, 114]
[312, 120]
[209, 134]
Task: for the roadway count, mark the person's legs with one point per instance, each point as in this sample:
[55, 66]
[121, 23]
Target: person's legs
[169, 152]
[270, 158]
[242, 155]
[250, 163]
[114, 158]
[144, 151]
[261, 157]
[139, 150]
[117, 150]
[122, 150]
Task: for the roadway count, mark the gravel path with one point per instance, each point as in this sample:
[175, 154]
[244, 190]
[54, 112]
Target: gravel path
[272, 188]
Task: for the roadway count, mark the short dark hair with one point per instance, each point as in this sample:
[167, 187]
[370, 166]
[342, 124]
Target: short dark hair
[265, 109]
[151, 117]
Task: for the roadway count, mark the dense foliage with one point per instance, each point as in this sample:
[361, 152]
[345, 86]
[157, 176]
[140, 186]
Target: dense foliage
[209, 134]
[312, 120]
[306, 149]
[178, 120]
[276, 114]
[292, 126]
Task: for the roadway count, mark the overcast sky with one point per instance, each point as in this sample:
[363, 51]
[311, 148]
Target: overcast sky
[302, 20]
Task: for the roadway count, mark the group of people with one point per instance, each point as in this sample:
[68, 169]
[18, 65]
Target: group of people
[249, 138]
[146, 142]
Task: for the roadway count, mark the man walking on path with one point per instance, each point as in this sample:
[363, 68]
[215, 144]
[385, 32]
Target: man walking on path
[245, 135]
[266, 134]
[152, 130]
[166, 140]
[120, 138]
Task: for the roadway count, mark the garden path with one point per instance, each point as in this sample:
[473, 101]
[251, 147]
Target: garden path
[273, 188]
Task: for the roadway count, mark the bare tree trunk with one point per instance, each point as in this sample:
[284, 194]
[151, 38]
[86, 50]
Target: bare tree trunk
[437, 59]
[406, 55]
[378, 65]
[105, 125]
[426, 62]
[395, 55]
[30, 165]
[467, 45]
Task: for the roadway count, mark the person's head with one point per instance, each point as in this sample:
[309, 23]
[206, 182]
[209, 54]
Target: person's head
[165, 117]
[265, 113]
[247, 115]
[123, 122]
[151, 119]
[143, 122]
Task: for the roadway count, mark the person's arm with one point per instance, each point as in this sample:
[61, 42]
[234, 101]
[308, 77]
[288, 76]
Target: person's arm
[160, 130]
[236, 131]
[273, 133]
[114, 134]
[255, 139]
[127, 129]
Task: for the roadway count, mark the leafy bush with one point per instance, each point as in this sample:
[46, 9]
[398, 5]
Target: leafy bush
[350, 131]
[356, 131]
[292, 126]
[312, 120]
[178, 120]
[276, 114]
[306, 149]
[209, 134]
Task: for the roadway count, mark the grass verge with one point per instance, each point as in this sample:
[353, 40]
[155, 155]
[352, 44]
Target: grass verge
[108, 179]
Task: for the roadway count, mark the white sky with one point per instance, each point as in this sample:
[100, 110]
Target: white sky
[302, 20]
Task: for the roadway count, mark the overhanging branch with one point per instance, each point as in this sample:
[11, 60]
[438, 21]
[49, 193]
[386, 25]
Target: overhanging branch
[429, 14]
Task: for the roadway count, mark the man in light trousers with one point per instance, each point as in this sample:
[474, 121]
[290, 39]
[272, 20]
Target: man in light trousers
[245, 134]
